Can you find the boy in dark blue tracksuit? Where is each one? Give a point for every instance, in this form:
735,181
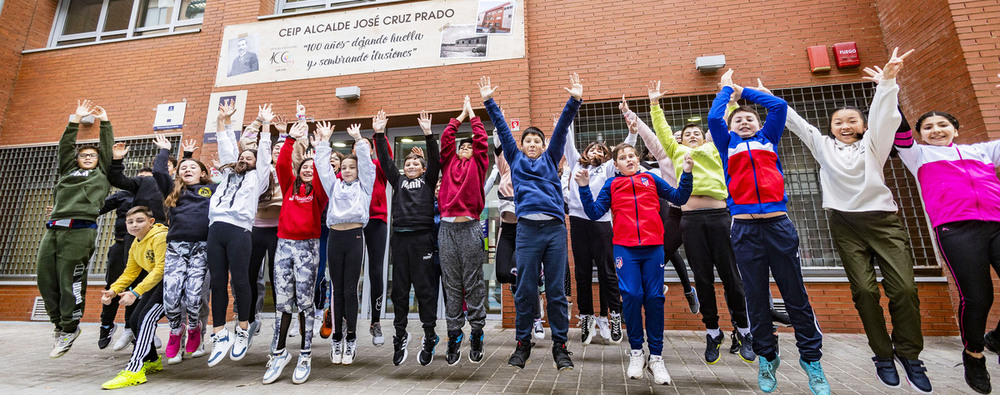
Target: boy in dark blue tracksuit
763,237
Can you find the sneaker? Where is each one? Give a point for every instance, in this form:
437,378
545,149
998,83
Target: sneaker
915,374
302,369
107,332
587,326
154,366
743,346
63,343
636,363
976,375
200,352
221,343
376,330
780,318
241,343
176,359
124,340
399,352
817,379
275,365
350,352
659,370
693,303
992,341
603,328
538,330
885,372
293,329
454,348
712,354
124,379
615,322
337,352
252,330
427,350
173,344
476,346
560,357
157,342
327,328
193,340
521,354
766,379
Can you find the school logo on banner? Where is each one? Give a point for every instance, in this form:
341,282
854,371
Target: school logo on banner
618,262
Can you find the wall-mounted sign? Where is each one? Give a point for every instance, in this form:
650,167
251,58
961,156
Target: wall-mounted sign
515,124
393,37
239,99
169,116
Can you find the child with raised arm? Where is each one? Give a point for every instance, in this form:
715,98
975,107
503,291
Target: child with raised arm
633,198
412,241
69,237
541,231
347,213
246,175
461,201
764,239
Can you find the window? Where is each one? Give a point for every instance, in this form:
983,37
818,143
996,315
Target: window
291,6
88,21
603,122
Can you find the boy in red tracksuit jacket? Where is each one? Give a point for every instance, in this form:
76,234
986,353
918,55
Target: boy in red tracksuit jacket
633,198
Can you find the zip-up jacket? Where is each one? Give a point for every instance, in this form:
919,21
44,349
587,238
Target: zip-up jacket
79,194
709,180
235,201
349,201
147,253
412,199
754,176
634,202
145,191
462,179
598,175
188,218
301,212
958,182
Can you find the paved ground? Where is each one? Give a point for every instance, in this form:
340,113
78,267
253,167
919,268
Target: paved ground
26,368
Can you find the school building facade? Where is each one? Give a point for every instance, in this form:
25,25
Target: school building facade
132,55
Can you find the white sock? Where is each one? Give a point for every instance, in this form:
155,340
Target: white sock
714,333
744,331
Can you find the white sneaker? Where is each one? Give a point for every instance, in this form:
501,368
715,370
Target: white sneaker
588,325
636,362
63,343
241,344
293,329
603,328
302,369
337,352
156,342
200,352
659,370
275,365
176,359
350,348
538,330
221,343
124,340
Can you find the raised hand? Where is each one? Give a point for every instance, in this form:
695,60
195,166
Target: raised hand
264,113
727,79
100,114
189,145
467,107
575,87
300,110
688,163
465,110
623,106
317,139
633,124
355,132
582,177
417,151
424,120
653,89
486,89
325,130
226,110
895,64
119,150
161,142
82,109
280,123
379,121
760,87
309,154
874,75
299,130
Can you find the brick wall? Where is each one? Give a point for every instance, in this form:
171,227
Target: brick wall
17,17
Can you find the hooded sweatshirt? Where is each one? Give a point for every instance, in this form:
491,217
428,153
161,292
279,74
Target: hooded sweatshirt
235,200
349,201
301,212
147,254
413,199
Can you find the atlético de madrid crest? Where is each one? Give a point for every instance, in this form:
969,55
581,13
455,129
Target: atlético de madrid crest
618,262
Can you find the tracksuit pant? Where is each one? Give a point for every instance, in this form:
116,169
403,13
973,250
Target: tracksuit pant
541,246
671,217
61,271
640,278
413,264
265,244
345,255
184,272
592,247
228,251
149,309
295,270
375,238
706,241
117,257
859,237
771,246
462,258
969,249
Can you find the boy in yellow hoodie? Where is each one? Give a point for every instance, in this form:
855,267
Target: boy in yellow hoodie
147,253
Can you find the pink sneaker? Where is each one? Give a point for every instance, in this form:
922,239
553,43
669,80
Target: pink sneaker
193,340
173,345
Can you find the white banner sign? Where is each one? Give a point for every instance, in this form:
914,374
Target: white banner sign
392,37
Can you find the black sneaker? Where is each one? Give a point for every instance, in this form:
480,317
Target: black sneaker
107,332
781,318
712,348
992,341
426,354
521,354
916,374
399,352
976,375
692,299
476,346
744,346
734,347
615,322
454,348
885,371
560,357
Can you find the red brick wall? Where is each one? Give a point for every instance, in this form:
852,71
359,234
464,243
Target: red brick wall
17,16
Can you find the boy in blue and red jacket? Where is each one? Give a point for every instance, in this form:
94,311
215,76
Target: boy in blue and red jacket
633,197
763,237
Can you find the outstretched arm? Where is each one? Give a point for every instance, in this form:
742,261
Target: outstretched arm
678,195
594,209
555,148
228,151
884,118
716,118
116,172
321,140
507,142
777,113
382,149
107,138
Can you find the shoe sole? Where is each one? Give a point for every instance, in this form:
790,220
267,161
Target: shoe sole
716,360
473,360
887,384
302,380
561,369
456,359
587,340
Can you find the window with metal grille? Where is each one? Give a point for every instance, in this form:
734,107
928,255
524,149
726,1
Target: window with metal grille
602,121
28,176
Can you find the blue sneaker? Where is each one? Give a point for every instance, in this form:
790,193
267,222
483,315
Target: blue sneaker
817,379
885,371
765,374
916,374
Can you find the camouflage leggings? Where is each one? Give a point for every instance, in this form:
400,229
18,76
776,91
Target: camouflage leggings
295,265
184,273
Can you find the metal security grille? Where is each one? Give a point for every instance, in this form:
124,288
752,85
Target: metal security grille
29,175
602,121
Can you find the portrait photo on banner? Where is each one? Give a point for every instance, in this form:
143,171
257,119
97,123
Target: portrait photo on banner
243,54
462,41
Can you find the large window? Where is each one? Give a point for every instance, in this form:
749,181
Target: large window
603,122
88,21
291,6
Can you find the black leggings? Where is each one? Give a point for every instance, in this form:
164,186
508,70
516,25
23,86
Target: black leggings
706,241
265,243
345,254
375,234
506,260
671,217
592,247
969,249
228,254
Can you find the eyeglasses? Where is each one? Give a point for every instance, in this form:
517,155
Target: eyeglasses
87,155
